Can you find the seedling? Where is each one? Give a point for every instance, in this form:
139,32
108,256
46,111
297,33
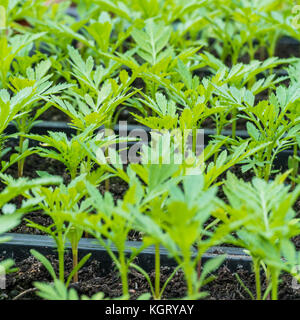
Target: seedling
97,95
9,50
178,233
106,222
58,203
38,80
71,151
11,215
268,225
13,107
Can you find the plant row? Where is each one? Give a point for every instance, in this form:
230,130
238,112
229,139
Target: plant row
174,67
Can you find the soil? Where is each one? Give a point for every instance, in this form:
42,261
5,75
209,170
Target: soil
53,114
287,48
93,279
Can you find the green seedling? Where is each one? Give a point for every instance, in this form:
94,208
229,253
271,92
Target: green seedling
70,152
97,96
178,232
107,223
271,122
13,107
11,216
36,78
58,203
269,223
10,48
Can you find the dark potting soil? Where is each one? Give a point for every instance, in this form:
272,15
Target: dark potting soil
287,48
54,114
93,279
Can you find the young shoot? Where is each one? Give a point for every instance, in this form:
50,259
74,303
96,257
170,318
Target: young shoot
268,225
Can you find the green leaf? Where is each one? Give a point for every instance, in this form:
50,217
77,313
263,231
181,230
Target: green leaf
46,263
77,268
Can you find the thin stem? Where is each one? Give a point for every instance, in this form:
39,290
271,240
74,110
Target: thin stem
199,266
73,173
60,249
256,266
157,271
75,263
189,281
295,165
199,263
61,265
189,270
251,50
274,279
107,185
21,162
268,281
268,165
194,141
124,276
234,123
219,127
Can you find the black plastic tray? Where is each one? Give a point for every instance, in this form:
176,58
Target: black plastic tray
18,248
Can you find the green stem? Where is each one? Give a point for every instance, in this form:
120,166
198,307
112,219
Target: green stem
295,165
107,182
157,271
21,142
61,265
194,140
219,128
188,270
268,165
234,115
199,266
20,163
61,261
274,279
235,58
256,266
73,173
75,263
251,50
123,272
107,185
268,276
189,281
271,48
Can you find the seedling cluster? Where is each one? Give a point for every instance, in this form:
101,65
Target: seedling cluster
171,67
